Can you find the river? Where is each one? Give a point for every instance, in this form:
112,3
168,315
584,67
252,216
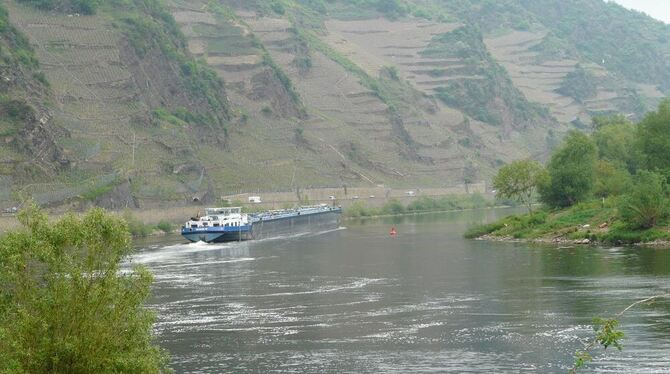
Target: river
358,300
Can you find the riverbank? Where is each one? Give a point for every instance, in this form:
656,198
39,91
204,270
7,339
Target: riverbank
155,222
588,223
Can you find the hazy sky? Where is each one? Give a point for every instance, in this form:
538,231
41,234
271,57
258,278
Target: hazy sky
659,9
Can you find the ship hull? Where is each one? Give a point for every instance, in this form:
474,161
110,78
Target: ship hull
217,234
296,224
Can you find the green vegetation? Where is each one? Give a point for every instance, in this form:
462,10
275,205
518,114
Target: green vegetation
632,206
150,28
628,43
136,227
612,179
647,204
165,226
15,49
303,61
97,192
78,6
607,334
519,181
15,110
585,222
65,306
139,229
420,205
22,88
486,83
391,9
653,139
180,117
284,80
313,41
571,172
615,139
579,84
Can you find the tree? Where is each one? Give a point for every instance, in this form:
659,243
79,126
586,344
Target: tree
571,172
469,175
615,138
64,305
653,137
519,181
611,179
647,203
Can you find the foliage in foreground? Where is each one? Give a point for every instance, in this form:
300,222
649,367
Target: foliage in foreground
607,334
65,307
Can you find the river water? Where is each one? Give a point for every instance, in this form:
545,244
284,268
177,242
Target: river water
358,300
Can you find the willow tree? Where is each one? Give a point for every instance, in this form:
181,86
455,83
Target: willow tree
571,172
654,140
519,181
65,304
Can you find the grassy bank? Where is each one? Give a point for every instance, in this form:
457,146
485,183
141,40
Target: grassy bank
584,223
420,205
147,222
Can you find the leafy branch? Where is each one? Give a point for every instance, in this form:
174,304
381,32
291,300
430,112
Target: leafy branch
606,334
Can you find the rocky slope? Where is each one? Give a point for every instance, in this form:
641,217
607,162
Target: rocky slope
177,99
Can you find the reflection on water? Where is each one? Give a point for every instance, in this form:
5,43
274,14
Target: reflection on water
358,300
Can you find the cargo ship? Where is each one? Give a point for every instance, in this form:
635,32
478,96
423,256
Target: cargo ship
230,224
301,220
218,225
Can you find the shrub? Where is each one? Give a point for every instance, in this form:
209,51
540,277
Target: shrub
611,179
136,227
277,7
165,226
65,306
393,207
571,172
479,231
519,181
653,138
647,203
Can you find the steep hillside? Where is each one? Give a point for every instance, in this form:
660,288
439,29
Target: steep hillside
374,117
133,101
614,60
29,150
140,101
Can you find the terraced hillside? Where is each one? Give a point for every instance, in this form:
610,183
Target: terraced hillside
108,99
573,90
28,134
370,127
153,100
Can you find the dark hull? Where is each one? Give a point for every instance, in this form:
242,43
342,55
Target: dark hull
217,234
294,225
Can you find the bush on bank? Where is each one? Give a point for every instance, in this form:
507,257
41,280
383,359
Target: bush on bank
65,305
610,186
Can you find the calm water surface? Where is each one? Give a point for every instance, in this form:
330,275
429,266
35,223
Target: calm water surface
357,300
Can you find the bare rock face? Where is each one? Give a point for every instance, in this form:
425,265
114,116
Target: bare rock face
266,86
161,82
120,197
37,138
